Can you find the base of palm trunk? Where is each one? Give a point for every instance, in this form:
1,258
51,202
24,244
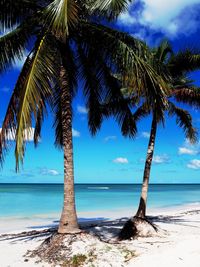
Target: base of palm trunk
137,227
66,230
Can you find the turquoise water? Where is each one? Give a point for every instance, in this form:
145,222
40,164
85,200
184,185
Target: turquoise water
34,199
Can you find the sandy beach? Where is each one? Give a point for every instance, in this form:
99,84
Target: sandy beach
177,243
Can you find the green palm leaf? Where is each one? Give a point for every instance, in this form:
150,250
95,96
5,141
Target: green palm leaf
141,112
103,93
109,8
59,15
189,96
163,51
13,44
13,12
129,56
92,91
117,105
41,112
32,88
36,83
184,120
184,61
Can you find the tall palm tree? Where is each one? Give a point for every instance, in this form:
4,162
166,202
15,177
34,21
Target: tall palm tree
67,43
175,67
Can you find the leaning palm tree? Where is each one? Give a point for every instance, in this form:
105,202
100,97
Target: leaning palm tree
67,43
181,90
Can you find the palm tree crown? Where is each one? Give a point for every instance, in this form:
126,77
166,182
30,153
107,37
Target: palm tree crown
63,33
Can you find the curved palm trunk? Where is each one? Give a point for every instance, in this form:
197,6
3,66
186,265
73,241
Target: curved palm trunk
68,221
141,212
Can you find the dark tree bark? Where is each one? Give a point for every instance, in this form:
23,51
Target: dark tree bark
141,212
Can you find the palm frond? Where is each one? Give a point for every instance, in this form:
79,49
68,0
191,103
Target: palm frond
13,12
13,45
10,121
103,93
129,56
141,112
59,15
41,111
189,96
108,8
180,82
33,86
184,120
184,61
58,119
116,104
92,90
163,51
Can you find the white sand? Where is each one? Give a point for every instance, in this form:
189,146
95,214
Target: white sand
178,245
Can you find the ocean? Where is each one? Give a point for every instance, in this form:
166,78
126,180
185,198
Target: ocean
26,200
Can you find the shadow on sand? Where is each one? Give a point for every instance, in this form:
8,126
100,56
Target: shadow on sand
103,227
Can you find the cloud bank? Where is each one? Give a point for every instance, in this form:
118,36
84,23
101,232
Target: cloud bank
172,17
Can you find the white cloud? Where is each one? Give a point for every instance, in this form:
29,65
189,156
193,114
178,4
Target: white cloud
160,159
127,18
28,134
110,137
170,17
82,109
49,172
145,134
189,149
194,164
186,151
121,160
75,133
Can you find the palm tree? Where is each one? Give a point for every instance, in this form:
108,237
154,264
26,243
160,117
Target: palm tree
175,67
67,43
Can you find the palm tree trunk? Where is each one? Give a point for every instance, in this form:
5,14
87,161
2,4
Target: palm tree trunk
141,212
68,221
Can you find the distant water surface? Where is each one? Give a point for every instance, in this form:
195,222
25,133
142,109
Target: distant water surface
34,199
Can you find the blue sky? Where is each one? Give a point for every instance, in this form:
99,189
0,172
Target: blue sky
108,157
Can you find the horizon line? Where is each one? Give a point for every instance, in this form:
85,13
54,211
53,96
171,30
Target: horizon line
105,183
